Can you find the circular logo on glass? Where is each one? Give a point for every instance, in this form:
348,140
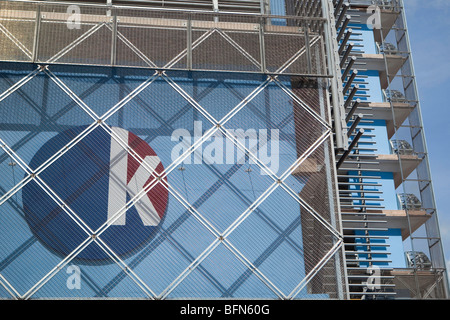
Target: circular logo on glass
96,178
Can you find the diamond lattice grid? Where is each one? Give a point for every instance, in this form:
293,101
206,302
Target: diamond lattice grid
213,206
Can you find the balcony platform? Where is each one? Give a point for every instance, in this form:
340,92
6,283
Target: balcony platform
389,163
429,282
377,62
383,111
391,219
388,18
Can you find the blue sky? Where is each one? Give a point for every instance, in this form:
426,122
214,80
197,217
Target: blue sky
429,34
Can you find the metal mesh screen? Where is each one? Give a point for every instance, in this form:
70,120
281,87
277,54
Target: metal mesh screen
165,154
58,33
86,42
17,33
166,185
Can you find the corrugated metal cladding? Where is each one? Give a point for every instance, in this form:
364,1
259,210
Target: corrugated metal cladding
158,182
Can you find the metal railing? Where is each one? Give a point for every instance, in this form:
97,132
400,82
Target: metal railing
384,4
165,39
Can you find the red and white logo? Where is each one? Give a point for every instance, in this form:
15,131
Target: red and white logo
127,175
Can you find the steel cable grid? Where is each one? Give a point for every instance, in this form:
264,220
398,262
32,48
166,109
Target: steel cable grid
207,116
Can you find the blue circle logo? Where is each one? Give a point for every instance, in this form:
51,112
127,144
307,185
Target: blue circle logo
96,178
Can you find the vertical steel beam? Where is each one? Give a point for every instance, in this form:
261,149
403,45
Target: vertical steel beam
114,36
340,127
308,47
189,42
216,9
262,46
332,191
37,31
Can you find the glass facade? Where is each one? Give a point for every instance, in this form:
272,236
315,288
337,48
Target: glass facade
166,169
172,150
